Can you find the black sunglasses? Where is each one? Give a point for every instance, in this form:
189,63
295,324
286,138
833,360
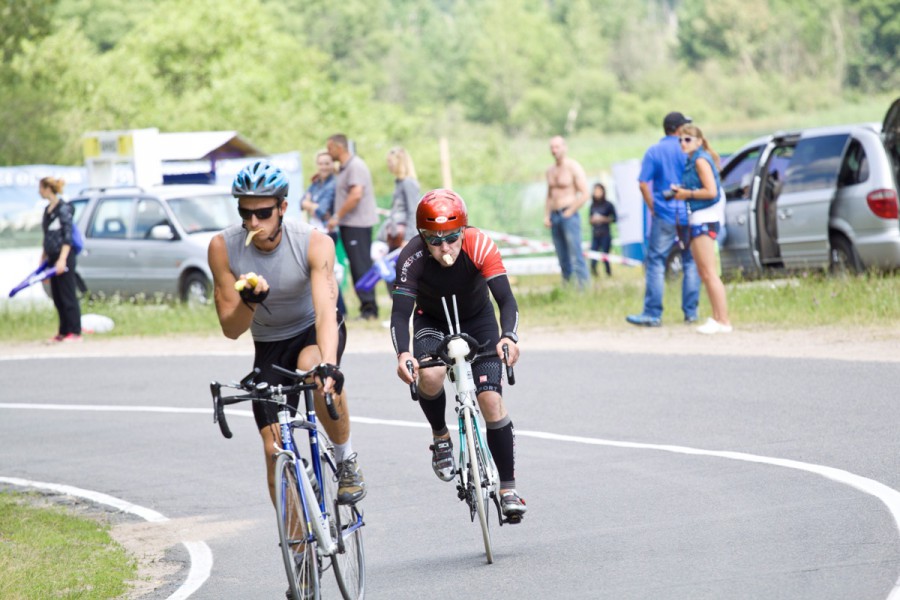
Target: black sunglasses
686,139
437,240
261,213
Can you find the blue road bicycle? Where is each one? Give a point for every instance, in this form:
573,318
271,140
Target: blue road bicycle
316,533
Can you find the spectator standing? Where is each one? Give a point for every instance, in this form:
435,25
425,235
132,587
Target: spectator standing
566,193
663,166
58,250
318,203
354,215
602,214
702,190
401,224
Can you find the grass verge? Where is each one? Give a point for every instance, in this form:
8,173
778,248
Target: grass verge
46,552
805,300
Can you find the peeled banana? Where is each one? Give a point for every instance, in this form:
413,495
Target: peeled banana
252,279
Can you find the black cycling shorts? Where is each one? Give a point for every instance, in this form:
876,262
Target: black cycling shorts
428,332
284,353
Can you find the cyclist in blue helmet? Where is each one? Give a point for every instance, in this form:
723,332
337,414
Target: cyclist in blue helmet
288,301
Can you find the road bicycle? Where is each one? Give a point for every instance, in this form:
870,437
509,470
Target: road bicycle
315,532
478,483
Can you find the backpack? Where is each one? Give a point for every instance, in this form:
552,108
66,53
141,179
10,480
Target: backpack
77,239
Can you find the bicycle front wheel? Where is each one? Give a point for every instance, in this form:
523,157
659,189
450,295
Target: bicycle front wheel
349,562
477,482
298,547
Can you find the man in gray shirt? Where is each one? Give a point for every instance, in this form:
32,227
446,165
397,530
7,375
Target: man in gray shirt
354,215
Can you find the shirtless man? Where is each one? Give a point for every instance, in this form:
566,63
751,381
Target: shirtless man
566,193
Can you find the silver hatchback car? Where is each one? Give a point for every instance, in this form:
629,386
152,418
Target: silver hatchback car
151,241
823,197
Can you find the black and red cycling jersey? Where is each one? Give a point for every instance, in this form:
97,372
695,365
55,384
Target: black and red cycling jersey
421,282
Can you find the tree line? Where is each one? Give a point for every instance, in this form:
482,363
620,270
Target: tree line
483,73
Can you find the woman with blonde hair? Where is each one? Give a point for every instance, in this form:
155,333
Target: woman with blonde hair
701,189
58,226
401,224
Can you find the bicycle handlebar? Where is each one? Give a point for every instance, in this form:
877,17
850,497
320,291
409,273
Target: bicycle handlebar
263,392
443,359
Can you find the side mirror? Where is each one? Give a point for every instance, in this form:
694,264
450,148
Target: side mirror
162,232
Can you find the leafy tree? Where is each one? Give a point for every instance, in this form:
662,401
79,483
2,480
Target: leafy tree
875,61
23,20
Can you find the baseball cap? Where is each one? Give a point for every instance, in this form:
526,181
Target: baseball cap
674,120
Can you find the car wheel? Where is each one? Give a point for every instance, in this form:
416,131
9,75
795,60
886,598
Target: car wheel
195,289
844,258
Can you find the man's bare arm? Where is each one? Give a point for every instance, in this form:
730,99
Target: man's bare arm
324,294
353,197
647,194
234,316
581,189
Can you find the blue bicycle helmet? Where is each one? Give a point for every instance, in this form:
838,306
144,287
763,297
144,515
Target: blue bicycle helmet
260,179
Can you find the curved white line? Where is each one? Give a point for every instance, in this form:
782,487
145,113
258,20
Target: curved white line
888,496
200,553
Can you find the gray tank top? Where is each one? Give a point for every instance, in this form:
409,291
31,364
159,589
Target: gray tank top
287,270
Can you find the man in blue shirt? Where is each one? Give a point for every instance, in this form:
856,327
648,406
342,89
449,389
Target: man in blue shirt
663,166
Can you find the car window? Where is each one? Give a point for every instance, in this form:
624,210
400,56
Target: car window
205,213
78,207
737,175
855,168
111,218
815,164
148,214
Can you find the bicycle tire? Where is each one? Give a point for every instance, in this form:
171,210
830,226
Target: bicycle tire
477,483
293,532
350,565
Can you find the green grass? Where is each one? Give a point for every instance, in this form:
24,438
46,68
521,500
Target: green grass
805,300
48,553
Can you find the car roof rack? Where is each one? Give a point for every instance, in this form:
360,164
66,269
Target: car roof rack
106,188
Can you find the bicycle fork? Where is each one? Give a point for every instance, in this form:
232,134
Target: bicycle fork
316,517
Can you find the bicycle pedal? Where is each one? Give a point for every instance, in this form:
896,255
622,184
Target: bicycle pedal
513,519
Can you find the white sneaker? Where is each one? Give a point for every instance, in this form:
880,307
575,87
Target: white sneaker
712,326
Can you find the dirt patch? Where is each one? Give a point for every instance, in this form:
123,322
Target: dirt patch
839,343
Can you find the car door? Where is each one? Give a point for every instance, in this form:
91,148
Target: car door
737,176
804,204
155,250
104,264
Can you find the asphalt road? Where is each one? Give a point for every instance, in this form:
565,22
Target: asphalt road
650,520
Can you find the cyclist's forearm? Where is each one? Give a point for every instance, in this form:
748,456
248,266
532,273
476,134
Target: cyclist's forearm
509,308
403,307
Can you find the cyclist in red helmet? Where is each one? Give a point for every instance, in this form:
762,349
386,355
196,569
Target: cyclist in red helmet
448,258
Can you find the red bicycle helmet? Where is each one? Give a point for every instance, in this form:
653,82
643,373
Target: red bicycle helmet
441,210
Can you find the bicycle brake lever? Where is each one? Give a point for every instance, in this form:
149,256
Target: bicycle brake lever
329,404
413,389
510,376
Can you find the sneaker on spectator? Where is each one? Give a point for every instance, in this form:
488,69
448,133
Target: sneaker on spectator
351,483
442,459
644,320
511,505
71,337
56,338
712,327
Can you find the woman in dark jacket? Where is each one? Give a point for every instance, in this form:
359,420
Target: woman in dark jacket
59,252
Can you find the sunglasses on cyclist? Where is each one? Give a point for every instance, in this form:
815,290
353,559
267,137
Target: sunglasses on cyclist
686,139
261,213
437,240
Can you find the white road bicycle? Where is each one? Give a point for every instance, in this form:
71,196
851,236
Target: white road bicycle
478,483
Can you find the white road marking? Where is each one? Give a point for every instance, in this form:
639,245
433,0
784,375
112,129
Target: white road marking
200,553
888,496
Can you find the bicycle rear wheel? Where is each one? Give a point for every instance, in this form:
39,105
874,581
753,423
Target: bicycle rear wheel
478,482
298,548
350,564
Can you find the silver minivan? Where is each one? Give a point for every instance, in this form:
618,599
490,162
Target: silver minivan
824,197
151,241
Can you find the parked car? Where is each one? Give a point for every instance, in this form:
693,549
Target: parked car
151,241
824,197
